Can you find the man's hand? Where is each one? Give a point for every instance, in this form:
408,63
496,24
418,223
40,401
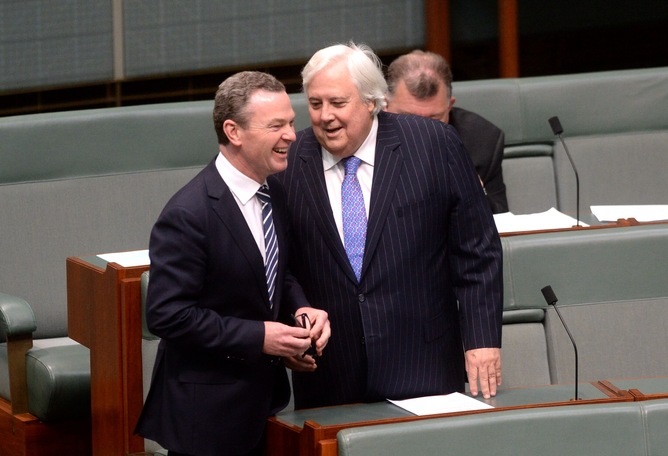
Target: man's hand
484,365
320,327
283,340
319,334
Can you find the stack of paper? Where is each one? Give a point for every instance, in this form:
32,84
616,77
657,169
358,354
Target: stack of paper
548,220
127,259
446,403
642,212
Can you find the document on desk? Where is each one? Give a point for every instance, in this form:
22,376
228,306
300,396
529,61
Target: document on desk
127,259
640,212
445,403
549,220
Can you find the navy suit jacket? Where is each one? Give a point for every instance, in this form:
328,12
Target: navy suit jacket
213,388
484,142
431,243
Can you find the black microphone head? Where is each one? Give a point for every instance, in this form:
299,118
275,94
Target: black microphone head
549,295
556,125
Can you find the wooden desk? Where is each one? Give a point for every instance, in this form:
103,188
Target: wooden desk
103,308
621,223
642,389
313,431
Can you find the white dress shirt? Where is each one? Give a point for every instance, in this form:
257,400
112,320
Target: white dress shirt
335,172
243,189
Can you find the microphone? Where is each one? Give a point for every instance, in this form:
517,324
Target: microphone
558,130
551,300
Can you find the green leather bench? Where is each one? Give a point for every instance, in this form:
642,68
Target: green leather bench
56,382
619,429
615,125
613,294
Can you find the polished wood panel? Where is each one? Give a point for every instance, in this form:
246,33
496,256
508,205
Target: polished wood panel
509,60
641,389
621,223
437,27
104,305
25,435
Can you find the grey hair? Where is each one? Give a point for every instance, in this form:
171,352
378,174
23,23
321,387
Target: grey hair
363,64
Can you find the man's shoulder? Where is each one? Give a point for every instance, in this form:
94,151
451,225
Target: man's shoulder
304,136
461,118
402,123
206,181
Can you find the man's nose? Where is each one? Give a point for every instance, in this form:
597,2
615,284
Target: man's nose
326,112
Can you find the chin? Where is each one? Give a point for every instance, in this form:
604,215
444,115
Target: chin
282,166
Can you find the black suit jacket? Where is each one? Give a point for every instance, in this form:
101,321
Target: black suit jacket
431,242
484,142
212,388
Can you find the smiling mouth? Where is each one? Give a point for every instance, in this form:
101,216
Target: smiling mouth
281,151
332,131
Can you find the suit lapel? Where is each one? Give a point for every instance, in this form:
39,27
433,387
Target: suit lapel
387,168
227,210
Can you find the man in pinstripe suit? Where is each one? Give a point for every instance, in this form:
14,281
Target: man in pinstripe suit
426,308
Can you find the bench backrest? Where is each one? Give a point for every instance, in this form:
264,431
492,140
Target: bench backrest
624,429
613,294
615,125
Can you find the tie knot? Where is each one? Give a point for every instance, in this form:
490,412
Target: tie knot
351,164
263,194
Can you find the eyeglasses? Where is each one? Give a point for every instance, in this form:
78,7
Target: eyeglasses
303,321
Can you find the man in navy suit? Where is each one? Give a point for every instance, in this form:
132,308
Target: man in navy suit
220,297
420,307
420,83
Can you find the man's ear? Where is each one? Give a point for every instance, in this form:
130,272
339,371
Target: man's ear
231,129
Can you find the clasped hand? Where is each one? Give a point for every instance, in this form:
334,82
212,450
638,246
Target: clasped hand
293,342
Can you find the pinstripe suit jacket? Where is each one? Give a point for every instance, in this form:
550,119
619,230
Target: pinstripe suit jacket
431,244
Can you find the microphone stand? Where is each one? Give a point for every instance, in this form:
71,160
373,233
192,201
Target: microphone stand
551,299
558,130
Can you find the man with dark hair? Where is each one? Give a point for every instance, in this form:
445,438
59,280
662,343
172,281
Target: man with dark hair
420,83
220,297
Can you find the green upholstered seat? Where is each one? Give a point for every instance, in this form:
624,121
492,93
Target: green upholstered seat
58,380
618,429
55,376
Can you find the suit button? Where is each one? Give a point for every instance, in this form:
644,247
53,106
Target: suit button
363,341
361,297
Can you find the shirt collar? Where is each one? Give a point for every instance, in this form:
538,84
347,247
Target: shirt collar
366,152
242,186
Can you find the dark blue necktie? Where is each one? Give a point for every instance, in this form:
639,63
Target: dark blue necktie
354,215
270,242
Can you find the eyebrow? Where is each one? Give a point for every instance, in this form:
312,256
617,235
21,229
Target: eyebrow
334,98
283,120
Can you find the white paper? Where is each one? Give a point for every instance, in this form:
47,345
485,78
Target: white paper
642,212
508,222
446,403
127,259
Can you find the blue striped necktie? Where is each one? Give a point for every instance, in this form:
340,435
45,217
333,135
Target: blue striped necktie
354,215
270,242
